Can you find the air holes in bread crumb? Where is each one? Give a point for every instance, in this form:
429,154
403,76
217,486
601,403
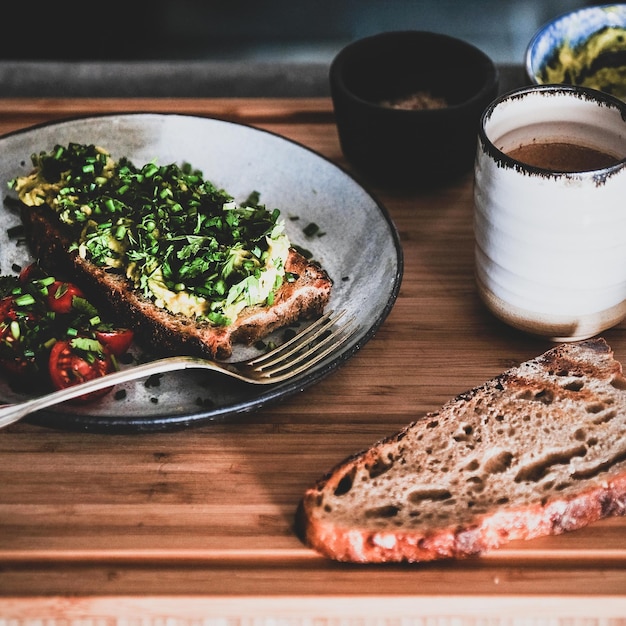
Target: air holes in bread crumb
605,417
533,472
435,494
378,467
600,467
574,385
545,395
619,382
498,462
595,407
464,433
476,483
345,484
382,512
525,394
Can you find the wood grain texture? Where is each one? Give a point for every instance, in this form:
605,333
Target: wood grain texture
88,521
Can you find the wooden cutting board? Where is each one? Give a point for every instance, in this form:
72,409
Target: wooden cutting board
197,524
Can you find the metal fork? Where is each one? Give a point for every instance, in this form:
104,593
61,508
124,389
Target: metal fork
289,359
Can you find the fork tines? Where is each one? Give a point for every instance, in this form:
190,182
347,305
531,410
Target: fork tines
307,347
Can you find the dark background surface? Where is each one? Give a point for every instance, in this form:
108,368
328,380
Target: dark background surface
257,29
231,47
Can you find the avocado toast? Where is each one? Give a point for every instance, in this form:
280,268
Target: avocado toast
171,254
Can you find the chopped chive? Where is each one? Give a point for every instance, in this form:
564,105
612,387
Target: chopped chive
311,229
150,170
15,231
25,300
170,218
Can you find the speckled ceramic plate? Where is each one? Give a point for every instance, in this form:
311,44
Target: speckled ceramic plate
359,248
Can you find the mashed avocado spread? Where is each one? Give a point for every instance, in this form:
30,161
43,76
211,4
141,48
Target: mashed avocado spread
183,242
599,63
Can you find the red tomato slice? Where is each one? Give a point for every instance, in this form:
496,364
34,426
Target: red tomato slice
117,340
60,296
8,314
7,309
14,363
68,367
16,368
30,272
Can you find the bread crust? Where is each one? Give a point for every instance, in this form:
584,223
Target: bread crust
541,485
165,332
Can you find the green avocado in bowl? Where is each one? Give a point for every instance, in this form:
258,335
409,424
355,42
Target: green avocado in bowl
585,48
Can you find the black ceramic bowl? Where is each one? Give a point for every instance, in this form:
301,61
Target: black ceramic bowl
413,146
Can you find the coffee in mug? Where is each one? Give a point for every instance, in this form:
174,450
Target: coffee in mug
562,156
549,212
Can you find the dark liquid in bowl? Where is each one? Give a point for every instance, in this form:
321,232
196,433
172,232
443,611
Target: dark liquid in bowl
562,157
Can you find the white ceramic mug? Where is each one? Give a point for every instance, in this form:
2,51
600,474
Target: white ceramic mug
551,245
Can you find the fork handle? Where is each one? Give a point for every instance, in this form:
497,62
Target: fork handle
12,413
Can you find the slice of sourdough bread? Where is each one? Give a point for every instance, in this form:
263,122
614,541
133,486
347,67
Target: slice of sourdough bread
538,450
166,332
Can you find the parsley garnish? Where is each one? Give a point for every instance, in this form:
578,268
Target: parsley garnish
163,225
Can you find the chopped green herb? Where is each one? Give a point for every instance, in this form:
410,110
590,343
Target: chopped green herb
25,300
153,381
166,227
30,327
311,229
307,254
15,231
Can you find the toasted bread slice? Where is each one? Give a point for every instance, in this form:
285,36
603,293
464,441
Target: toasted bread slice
163,331
537,451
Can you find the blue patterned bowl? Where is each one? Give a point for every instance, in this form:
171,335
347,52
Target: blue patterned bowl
585,47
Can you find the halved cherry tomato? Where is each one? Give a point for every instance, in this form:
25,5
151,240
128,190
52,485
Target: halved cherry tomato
30,272
61,295
13,361
8,314
117,340
7,309
19,368
68,367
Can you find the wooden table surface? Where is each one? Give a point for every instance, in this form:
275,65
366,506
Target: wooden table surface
197,524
